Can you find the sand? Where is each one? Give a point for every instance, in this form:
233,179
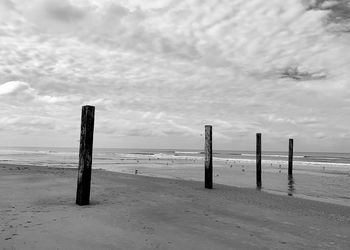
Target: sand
128,211
309,181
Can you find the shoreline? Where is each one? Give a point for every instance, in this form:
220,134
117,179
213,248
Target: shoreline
139,212
193,171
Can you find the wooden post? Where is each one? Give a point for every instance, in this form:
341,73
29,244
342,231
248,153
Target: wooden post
208,163
258,160
85,155
290,185
290,158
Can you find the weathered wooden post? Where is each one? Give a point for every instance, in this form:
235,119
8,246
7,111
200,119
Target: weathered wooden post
290,158
290,185
85,155
208,163
258,160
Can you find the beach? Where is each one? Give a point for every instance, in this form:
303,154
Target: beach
202,125
316,176
129,211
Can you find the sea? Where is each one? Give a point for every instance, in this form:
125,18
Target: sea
316,175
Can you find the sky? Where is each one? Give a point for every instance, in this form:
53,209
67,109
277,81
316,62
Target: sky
157,71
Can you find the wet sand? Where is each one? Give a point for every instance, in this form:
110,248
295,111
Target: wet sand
330,184
128,211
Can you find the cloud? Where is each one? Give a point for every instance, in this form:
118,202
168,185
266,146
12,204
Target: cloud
296,74
338,18
8,4
26,124
63,11
23,92
163,69
272,37
12,88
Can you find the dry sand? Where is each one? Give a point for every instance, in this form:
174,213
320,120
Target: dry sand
38,211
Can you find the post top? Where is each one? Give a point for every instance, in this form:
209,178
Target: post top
208,126
88,106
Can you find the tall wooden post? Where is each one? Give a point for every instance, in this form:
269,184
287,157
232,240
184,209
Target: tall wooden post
208,163
258,160
85,155
290,158
290,185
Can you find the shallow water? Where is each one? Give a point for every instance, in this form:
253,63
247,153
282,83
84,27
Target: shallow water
314,177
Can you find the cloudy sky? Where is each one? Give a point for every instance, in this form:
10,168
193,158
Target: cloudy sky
159,70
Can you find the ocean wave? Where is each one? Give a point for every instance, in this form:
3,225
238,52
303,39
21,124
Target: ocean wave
34,152
18,152
187,152
325,157
141,153
251,155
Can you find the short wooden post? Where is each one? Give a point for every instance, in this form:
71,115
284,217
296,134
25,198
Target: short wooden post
290,158
85,155
208,163
258,160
